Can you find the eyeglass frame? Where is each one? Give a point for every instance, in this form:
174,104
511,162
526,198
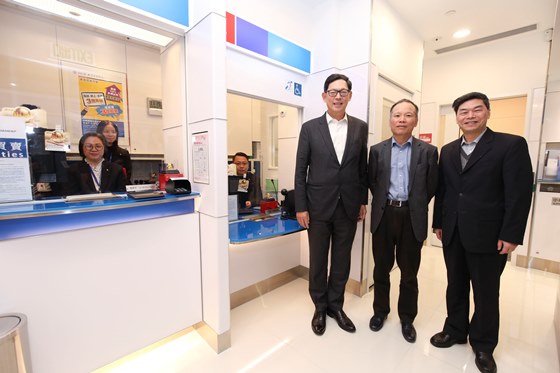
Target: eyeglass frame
92,146
341,92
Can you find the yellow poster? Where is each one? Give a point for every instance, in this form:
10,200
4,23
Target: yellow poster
101,100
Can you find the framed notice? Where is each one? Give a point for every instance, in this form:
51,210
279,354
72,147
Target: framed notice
201,161
15,176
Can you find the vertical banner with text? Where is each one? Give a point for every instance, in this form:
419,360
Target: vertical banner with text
15,176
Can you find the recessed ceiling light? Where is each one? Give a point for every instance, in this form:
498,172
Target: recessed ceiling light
96,20
13,84
461,33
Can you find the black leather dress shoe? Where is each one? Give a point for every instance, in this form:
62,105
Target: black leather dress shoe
444,340
319,322
342,320
408,332
376,322
485,362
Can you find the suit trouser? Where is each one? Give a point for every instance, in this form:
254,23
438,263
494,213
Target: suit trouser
483,271
327,290
394,235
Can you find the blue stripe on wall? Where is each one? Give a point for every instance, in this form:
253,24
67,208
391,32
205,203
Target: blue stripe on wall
252,37
286,52
173,10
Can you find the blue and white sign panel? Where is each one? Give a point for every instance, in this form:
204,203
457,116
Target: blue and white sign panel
15,177
173,10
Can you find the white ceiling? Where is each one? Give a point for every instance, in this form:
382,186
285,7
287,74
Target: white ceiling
428,18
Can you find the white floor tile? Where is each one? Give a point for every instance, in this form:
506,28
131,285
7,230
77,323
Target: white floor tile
273,333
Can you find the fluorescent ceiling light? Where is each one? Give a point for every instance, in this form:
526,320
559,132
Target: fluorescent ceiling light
461,33
96,20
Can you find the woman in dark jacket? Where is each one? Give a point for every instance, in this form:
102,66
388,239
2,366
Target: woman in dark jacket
94,174
114,153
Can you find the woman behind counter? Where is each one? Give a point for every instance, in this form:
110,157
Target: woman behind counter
93,174
113,152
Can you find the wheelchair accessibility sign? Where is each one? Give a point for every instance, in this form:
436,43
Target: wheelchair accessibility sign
294,87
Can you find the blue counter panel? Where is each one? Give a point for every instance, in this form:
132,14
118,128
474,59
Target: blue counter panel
243,231
31,219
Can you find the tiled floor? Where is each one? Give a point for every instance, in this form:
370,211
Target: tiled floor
273,333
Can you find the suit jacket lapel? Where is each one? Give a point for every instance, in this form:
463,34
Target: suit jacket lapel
86,175
324,130
483,147
104,182
386,157
415,150
456,155
350,134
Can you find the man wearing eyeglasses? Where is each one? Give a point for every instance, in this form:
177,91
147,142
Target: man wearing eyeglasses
331,197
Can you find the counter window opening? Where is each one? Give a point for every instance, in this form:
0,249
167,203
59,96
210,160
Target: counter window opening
254,128
73,96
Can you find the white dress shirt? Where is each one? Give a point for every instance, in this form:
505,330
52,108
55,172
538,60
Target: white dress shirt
338,130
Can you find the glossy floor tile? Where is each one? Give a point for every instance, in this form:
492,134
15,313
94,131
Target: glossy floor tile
272,333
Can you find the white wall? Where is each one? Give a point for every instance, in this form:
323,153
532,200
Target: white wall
396,49
502,68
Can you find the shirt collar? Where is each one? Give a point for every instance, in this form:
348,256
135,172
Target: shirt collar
393,142
330,119
475,141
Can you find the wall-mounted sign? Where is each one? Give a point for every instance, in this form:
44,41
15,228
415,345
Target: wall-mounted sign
427,137
15,177
201,159
258,40
101,100
295,88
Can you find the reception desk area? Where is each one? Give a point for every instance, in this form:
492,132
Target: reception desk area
101,279
264,253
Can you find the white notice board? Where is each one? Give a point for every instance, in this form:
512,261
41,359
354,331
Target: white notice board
15,177
201,161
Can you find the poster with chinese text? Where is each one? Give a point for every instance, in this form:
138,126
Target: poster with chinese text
101,100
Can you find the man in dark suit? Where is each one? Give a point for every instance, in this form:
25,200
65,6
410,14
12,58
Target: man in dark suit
402,174
330,198
480,214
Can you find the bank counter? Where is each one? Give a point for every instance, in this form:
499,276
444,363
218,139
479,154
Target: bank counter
264,253
100,279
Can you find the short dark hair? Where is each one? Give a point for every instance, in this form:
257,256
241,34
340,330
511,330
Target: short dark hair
101,127
334,77
404,100
240,154
83,140
470,96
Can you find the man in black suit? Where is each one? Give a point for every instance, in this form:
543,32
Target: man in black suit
330,197
480,214
402,174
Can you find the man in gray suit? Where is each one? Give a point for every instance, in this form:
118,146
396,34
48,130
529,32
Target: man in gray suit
403,177
330,198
